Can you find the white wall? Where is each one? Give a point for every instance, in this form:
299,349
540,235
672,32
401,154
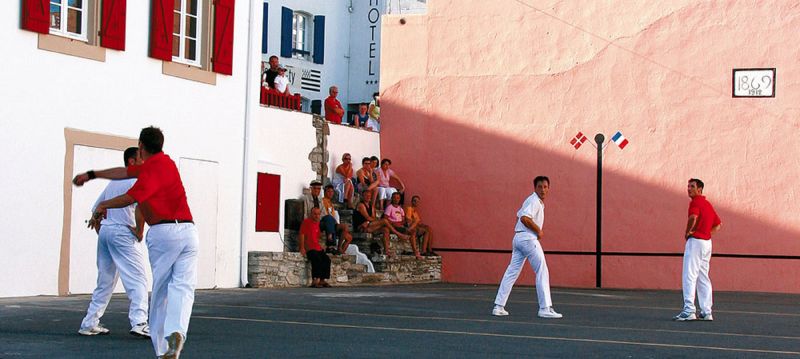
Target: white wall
358,143
44,92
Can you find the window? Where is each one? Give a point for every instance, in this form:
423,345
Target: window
301,24
69,18
186,44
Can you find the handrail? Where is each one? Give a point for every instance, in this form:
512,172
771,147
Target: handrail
271,97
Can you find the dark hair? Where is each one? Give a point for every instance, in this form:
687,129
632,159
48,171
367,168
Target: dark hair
130,152
415,196
376,94
365,160
540,179
386,160
273,56
697,182
396,194
328,186
373,158
152,139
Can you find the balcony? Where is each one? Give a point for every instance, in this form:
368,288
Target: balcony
273,98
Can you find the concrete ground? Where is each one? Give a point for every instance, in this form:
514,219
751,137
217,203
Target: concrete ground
419,321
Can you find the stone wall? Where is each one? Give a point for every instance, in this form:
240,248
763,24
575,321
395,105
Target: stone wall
290,269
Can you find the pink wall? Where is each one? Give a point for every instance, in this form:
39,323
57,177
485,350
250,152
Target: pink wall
478,100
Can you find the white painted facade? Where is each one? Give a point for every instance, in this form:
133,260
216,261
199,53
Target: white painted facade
218,135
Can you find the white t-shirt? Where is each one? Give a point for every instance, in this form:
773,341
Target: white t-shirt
120,216
281,82
533,207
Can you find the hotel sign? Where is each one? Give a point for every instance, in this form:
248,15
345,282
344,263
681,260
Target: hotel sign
754,82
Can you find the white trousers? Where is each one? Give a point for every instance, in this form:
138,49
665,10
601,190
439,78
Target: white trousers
173,258
696,261
386,192
118,255
526,246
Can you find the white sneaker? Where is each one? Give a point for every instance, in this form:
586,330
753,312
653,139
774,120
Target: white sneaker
549,313
684,317
705,316
141,330
499,311
96,330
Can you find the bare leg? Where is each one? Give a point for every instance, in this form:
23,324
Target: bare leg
413,240
348,193
394,230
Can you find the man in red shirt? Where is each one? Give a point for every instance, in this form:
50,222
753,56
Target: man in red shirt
703,222
172,240
308,241
333,108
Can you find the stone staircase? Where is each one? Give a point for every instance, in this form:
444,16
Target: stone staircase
290,269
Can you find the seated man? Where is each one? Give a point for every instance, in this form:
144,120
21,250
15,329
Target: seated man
308,240
331,226
396,217
343,180
364,176
312,199
365,221
414,222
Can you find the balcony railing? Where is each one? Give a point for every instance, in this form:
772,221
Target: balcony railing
271,97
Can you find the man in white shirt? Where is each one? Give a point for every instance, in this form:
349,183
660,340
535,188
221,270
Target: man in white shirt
530,219
119,255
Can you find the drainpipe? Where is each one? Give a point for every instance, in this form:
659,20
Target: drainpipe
246,161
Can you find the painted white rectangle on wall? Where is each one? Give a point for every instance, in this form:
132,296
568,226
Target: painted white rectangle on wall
83,241
200,179
754,82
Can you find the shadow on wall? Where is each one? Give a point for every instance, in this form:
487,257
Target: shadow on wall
472,181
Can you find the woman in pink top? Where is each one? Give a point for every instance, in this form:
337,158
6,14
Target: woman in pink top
385,190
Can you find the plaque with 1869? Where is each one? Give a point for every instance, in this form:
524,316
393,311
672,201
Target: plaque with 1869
754,82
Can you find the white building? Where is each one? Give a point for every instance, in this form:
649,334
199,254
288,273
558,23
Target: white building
81,83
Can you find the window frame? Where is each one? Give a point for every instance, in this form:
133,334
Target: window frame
303,53
199,36
62,30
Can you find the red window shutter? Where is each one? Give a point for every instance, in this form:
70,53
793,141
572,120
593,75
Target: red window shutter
36,16
223,36
112,25
161,22
268,196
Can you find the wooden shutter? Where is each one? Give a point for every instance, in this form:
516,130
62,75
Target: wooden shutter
268,195
161,22
319,39
112,24
36,16
286,32
223,36
264,23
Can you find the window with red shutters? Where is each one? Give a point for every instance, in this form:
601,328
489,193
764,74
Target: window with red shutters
223,36
161,22
36,16
268,195
112,24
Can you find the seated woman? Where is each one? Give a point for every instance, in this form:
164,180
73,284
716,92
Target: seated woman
365,221
343,180
385,190
331,225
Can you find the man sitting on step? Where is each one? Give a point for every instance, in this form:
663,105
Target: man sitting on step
365,221
414,222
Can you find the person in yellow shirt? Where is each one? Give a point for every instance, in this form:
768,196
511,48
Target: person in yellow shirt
414,222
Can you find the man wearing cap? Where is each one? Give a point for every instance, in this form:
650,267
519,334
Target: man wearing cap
313,199
172,240
281,82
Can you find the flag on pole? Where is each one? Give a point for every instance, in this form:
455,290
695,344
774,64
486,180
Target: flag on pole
578,140
620,140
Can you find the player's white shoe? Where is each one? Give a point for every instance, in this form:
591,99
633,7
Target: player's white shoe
96,330
549,313
499,311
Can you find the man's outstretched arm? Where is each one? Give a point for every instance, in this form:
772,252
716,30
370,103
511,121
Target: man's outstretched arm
110,173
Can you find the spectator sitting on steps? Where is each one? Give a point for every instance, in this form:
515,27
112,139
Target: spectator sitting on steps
414,223
308,240
312,199
343,180
385,190
396,216
364,176
331,226
365,221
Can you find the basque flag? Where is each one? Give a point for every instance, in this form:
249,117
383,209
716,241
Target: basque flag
578,140
620,140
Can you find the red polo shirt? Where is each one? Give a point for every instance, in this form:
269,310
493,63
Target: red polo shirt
332,102
159,190
310,230
706,217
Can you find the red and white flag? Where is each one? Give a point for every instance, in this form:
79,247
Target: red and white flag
578,140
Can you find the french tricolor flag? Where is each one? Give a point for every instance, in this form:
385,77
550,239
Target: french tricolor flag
620,140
